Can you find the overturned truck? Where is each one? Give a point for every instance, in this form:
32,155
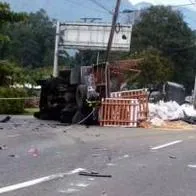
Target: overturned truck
71,97
75,95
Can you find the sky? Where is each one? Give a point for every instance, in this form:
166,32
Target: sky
167,2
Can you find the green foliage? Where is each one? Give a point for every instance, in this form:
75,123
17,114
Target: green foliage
32,43
155,68
11,106
37,74
8,16
10,74
164,29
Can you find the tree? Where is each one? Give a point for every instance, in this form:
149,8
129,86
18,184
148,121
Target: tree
7,17
155,68
164,29
10,74
32,43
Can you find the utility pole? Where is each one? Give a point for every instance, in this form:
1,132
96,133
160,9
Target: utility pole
114,20
56,50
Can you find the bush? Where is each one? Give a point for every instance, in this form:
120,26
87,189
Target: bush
9,106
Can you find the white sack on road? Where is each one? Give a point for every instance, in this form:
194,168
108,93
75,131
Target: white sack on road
164,111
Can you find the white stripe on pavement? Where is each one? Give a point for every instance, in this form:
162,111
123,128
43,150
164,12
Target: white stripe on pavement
38,181
192,166
15,135
165,145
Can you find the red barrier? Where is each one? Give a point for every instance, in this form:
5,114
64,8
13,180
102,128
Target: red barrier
119,112
141,95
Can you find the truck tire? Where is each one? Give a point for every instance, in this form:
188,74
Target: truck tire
81,95
69,97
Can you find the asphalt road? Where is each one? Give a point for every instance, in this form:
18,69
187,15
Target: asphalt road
142,162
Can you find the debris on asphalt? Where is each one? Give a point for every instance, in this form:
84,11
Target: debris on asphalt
177,125
34,152
166,111
94,174
109,158
157,122
12,155
162,113
172,157
3,147
6,119
95,155
104,193
35,129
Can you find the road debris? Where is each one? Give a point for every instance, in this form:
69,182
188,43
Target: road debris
95,155
172,157
34,152
171,111
104,193
94,174
3,147
6,119
35,129
12,155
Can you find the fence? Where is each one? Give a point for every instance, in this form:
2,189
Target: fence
139,94
119,112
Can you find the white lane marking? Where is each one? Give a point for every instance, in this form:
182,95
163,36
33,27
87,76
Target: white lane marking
15,135
69,190
91,179
111,164
75,171
123,157
192,166
83,185
165,145
38,181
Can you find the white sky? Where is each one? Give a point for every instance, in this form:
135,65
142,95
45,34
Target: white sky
165,2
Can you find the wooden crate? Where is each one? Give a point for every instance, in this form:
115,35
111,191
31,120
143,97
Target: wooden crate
141,95
119,112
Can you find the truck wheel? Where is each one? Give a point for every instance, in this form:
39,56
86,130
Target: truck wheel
81,95
69,97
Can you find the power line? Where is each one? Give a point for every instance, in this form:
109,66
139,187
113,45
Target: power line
102,6
192,2
184,5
